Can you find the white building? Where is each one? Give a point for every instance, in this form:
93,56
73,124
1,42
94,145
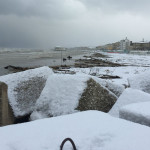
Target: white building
124,44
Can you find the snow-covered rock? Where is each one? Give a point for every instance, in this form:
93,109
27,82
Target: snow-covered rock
129,96
113,87
90,130
138,112
141,81
65,94
24,88
116,88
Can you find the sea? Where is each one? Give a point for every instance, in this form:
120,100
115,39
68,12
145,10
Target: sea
37,57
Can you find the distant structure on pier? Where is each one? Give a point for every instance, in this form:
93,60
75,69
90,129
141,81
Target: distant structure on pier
59,48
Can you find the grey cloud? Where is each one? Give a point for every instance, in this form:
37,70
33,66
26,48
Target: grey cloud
52,9
69,8
117,6
23,8
47,23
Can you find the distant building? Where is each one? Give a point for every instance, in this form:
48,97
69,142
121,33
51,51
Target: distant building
143,45
111,46
125,44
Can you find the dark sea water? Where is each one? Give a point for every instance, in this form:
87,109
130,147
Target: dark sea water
36,58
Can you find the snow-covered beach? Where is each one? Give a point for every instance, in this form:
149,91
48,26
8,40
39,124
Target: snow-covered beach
125,126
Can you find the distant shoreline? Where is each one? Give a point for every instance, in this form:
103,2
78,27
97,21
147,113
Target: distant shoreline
34,59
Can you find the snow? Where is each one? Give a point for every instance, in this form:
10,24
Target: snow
123,72
90,130
12,80
128,59
60,95
116,89
129,96
138,112
141,81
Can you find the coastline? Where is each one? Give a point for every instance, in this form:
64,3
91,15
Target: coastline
34,59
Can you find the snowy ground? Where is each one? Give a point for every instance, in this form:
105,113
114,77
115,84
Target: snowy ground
128,59
134,65
123,72
90,130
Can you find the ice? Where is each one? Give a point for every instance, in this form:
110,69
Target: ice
129,96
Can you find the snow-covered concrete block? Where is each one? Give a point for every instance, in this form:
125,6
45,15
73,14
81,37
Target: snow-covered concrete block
141,81
6,114
65,94
90,130
24,89
117,89
129,96
137,112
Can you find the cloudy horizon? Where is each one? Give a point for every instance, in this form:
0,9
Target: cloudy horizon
69,23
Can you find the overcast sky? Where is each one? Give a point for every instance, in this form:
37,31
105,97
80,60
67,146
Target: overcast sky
49,23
